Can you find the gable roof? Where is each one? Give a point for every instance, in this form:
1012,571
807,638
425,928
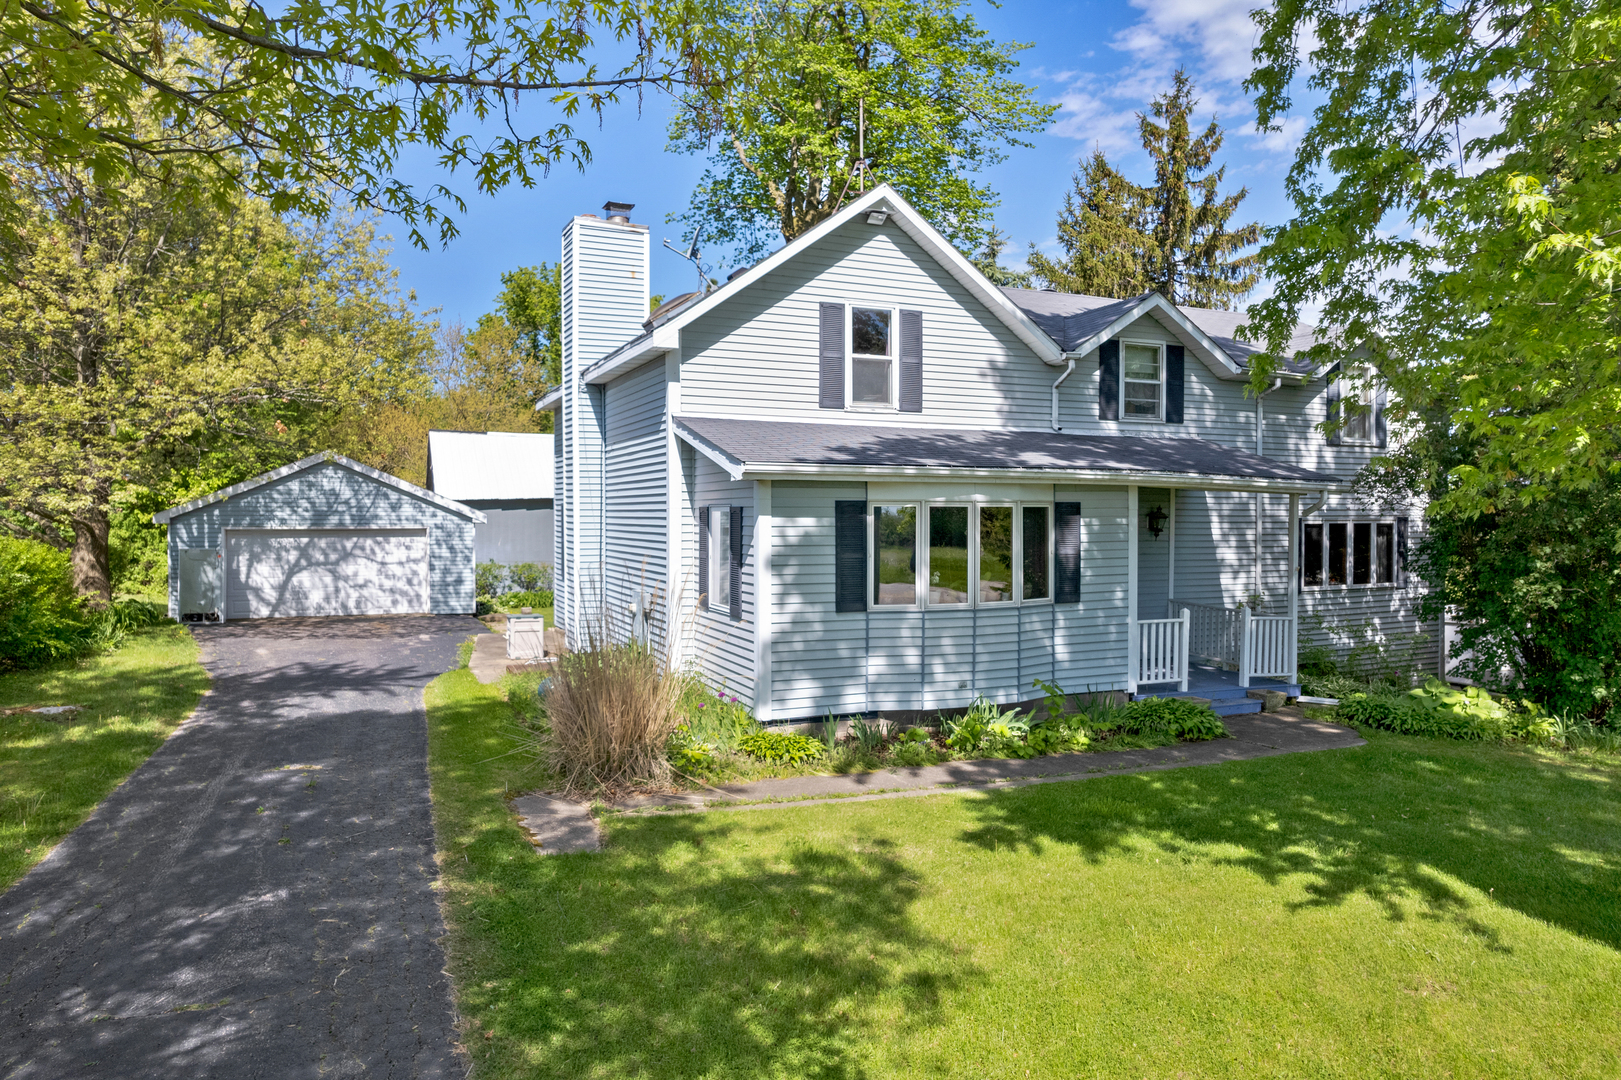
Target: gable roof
663,334
749,449
490,464
1079,323
163,517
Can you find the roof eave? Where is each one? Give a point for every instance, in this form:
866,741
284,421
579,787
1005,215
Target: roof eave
660,340
1214,355
552,402
764,470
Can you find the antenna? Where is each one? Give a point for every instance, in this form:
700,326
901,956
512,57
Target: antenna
691,255
861,143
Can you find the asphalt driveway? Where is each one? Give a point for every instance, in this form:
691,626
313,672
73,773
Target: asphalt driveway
257,900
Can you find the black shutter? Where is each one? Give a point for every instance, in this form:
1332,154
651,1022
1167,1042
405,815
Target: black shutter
911,361
1067,533
1109,380
735,547
703,558
850,555
831,353
1381,434
1333,377
1401,551
1174,355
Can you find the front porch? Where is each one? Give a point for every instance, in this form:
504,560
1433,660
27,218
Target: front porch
1221,688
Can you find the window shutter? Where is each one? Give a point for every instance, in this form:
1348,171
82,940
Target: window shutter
831,353
1174,356
1109,380
850,555
911,361
1067,533
1381,434
703,558
735,549
1401,551
1333,405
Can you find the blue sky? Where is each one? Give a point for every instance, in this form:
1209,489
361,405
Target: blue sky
1101,62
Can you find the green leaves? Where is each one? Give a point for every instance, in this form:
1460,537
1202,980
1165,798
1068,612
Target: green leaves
318,102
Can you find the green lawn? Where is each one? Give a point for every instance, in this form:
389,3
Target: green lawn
53,774
1411,908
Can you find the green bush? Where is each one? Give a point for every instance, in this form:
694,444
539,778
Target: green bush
1438,710
489,578
537,599
1176,717
530,577
42,618
781,748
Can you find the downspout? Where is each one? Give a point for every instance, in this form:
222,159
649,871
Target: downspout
1260,440
1068,371
1260,500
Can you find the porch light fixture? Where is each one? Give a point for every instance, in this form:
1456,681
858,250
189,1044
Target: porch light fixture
1156,521
877,217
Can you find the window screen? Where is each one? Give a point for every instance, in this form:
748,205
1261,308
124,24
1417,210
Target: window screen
995,554
895,555
1337,552
948,555
1311,559
1035,553
870,356
1140,369
1362,553
1384,554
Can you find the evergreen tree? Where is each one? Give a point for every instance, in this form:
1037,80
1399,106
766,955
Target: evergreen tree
989,262
1121,239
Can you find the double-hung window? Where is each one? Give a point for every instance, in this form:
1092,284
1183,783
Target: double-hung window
872,356
720,558
1142,378
950,555
1349,553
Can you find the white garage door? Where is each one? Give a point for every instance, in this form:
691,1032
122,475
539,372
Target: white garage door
273,573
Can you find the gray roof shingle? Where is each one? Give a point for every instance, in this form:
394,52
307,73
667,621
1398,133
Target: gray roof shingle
771,442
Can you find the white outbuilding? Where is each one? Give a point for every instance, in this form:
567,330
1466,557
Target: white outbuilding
508,476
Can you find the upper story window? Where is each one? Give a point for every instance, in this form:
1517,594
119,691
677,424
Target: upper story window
1356,406
872,356
1142,377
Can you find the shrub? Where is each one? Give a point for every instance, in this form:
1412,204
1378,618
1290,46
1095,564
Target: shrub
1176,717
530,577
781,748
610,712
489,578
537,599
868,734
42,618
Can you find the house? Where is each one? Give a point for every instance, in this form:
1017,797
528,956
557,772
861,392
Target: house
322,536
858,477
508,476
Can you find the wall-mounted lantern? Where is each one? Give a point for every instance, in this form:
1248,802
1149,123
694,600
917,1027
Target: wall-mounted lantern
1156,521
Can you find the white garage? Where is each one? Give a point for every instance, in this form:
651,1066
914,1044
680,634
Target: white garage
323,536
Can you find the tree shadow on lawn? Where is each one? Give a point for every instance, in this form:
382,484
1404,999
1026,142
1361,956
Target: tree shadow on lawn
701,947
1387,821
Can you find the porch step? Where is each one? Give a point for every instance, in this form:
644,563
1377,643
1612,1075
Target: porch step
1220,691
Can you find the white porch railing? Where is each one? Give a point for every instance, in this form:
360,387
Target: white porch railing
1256,646
1162,651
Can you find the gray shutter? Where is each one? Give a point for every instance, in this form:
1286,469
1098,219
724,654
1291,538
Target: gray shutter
1381,434
911,361
1333,377
850,555
1067,533
735,550
1174,362
1109,380
1401,551
703,558
831,353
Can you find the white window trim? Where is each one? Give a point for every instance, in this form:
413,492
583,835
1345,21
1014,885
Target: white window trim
921,581
1350,555
1160,345
720,559
894,359
1345,384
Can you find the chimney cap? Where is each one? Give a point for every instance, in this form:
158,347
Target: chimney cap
618,211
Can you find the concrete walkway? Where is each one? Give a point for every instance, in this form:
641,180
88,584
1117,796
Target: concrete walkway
257,899
1255,735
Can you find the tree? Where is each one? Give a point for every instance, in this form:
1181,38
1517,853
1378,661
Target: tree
138,337
531,302
305,102
931,86
989,262
1121,239
1480,274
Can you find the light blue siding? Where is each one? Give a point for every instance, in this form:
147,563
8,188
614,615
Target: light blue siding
1090,639
721,647
636,503
329,496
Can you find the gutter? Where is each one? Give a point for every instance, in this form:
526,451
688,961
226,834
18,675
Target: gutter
1068,371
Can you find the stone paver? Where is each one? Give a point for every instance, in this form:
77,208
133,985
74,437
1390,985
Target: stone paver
1255,735
257,900
557,826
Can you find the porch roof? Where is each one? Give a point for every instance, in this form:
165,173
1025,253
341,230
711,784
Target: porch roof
763,449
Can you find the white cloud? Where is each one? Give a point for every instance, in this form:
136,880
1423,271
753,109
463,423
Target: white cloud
1282,141
1221,33
1087,116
